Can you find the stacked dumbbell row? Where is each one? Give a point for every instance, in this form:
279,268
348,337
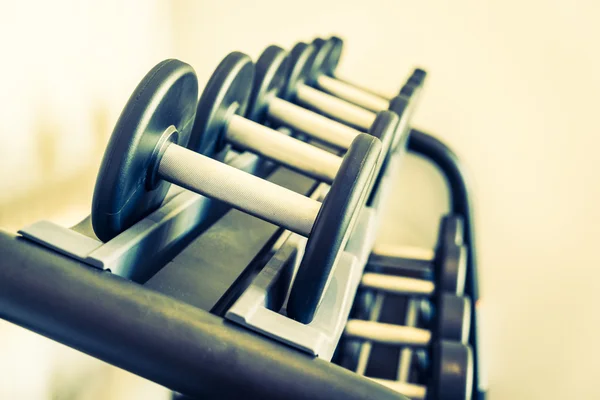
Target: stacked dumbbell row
164,136
446,363
447,368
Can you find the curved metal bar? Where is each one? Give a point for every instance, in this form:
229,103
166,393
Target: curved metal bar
441,155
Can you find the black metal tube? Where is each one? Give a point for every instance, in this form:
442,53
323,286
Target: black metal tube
159,338
440,154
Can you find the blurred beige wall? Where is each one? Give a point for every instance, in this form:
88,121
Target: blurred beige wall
513,88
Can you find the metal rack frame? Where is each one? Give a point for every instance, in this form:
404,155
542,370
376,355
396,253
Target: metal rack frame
446,160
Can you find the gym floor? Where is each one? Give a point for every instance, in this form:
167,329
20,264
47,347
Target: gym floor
512,88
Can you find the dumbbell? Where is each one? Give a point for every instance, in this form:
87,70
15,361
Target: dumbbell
448,264
416,261
451,375
325,79
451,331
333,105
278,108
220,122
146,153
452,322
274,78
449,271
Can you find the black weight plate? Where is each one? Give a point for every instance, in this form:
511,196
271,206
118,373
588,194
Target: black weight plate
452,227
226,93
322,50
332,226
452,372
450,266
165,97
453,318
450,269
418,77
333,58
271,71
300,59
400,105
383,128
408,90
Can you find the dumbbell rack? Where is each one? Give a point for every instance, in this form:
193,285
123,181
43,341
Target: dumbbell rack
170,328
403,311
446,160
159,299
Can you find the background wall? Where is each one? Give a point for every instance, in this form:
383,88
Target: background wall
512,88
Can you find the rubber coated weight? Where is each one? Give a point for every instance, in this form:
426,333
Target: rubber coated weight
124,194
267,106
449,265
341,105
452,228
226,94
418,77
450,377
270,79
452,318
321,77
335,49
450,268
333,58
408,90
332,227
400,105
220,122
160,160
317,63
299,58
451,372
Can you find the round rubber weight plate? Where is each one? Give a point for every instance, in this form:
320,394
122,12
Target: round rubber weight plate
333,226
300,59
408,90
384,129
323,48
333,58
450,269
453,318
451,230
226,93
400,105
271,71
452,372
418,77
165,97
